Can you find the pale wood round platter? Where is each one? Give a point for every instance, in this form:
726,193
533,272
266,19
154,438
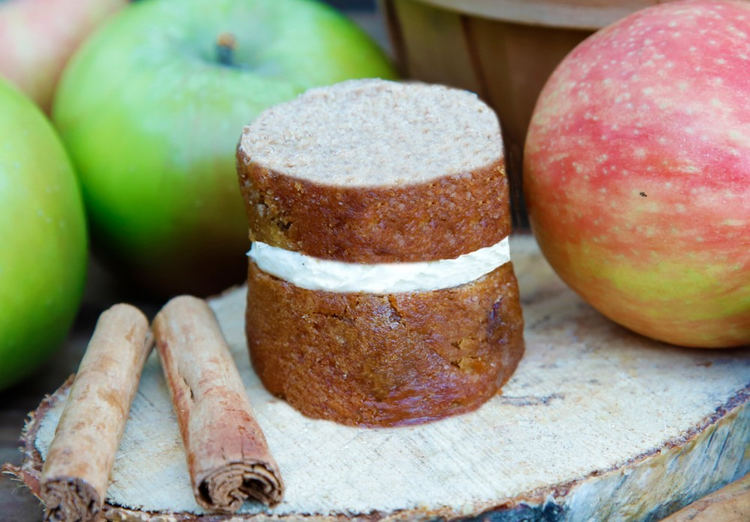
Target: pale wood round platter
596,424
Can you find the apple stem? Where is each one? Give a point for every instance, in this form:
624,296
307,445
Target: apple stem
225,46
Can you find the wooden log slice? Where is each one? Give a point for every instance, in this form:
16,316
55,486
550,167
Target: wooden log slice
596,424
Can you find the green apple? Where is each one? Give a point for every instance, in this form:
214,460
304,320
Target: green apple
43,234
152,107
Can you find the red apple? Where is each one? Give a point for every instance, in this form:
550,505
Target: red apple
637,173
37,37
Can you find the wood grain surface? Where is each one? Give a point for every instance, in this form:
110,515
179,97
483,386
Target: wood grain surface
596,424
729,504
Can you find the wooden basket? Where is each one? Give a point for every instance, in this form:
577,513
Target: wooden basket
504,50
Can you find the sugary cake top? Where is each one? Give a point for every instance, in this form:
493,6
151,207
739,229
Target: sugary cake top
375,132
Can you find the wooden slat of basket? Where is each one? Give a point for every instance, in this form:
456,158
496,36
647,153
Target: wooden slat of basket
434,41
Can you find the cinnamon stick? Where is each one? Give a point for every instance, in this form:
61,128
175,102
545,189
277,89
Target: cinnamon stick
227,453
76,472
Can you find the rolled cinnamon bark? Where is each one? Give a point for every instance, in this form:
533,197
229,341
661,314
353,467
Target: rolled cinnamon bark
76,472
227,453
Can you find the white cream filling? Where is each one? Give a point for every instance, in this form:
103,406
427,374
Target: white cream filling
380,278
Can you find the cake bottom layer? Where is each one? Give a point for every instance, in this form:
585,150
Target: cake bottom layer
384,360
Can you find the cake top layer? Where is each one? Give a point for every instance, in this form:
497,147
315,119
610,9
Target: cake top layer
374,133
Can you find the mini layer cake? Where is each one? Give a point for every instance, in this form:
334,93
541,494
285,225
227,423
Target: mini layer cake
380,288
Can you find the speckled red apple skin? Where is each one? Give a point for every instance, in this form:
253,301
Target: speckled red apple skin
637,172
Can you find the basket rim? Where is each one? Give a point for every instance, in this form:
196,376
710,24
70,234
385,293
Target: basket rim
565,14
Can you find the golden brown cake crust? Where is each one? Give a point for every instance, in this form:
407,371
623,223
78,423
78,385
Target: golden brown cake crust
440,219
384,360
